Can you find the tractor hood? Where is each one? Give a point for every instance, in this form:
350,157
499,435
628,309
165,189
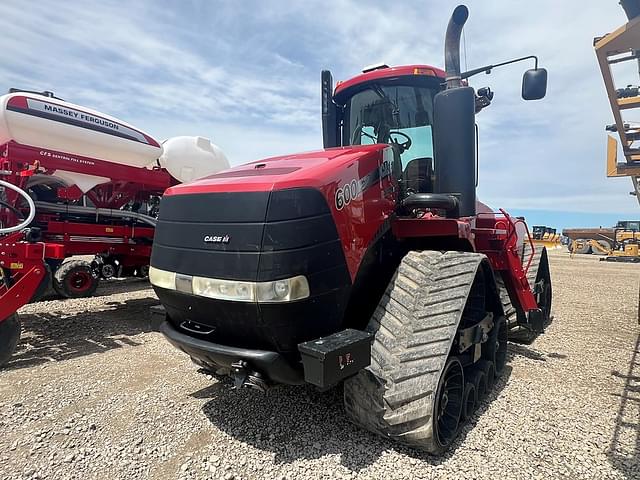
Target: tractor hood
310,170
273,220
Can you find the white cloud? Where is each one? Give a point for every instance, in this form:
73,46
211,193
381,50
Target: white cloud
247,75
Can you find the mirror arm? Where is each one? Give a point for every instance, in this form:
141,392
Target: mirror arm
488,68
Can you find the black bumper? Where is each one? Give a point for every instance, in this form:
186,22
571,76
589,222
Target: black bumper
271,364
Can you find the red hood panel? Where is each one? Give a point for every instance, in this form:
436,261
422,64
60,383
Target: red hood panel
309,169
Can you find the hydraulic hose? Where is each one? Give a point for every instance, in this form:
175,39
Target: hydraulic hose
107,212
32,209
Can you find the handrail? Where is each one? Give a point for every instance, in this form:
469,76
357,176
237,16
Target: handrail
526,227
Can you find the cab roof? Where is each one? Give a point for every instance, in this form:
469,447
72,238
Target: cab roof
389,72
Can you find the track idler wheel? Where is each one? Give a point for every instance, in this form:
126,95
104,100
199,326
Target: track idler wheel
9,337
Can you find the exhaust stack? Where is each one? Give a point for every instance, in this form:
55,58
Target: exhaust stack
452,46
454,126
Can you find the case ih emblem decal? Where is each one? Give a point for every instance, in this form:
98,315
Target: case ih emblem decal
217,239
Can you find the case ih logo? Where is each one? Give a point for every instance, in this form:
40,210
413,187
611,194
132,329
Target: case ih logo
217,238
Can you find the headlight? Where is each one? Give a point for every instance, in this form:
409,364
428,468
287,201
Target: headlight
223,289
162,278
285,290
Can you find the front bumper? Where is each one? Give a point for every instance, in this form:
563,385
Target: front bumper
273,365
324,362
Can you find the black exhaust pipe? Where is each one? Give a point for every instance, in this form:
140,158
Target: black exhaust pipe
454,126
452,46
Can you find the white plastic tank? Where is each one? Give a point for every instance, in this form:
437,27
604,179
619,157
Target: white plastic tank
45,122
190,158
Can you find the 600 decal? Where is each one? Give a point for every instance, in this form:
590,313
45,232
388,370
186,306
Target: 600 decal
350,191
346,193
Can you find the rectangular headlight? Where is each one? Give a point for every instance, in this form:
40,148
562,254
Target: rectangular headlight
224,289
285,290
162,278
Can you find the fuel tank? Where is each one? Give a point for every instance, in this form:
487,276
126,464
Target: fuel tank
311,215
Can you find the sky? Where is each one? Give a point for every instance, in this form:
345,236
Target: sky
247,76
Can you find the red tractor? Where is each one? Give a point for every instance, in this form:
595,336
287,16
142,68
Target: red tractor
369,262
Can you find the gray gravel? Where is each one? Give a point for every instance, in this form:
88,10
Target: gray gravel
92,393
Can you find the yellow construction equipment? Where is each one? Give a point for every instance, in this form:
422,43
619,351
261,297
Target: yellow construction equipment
623,251
625,231
544,236
622,45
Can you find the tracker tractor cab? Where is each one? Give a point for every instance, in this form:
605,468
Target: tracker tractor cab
368,262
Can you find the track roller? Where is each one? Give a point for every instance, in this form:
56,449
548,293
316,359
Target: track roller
469,400
479,379
489,370
497,345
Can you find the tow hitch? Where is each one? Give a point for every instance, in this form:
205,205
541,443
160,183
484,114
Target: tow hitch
243,376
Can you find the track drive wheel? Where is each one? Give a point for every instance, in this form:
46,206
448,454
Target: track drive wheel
413,390
9,337
75,279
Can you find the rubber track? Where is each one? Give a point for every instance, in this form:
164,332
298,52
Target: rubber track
518,333
532,273
509,310
414,326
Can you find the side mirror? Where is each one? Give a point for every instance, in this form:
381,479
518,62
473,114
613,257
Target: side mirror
534,84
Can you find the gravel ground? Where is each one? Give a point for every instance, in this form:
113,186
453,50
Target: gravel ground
93,393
